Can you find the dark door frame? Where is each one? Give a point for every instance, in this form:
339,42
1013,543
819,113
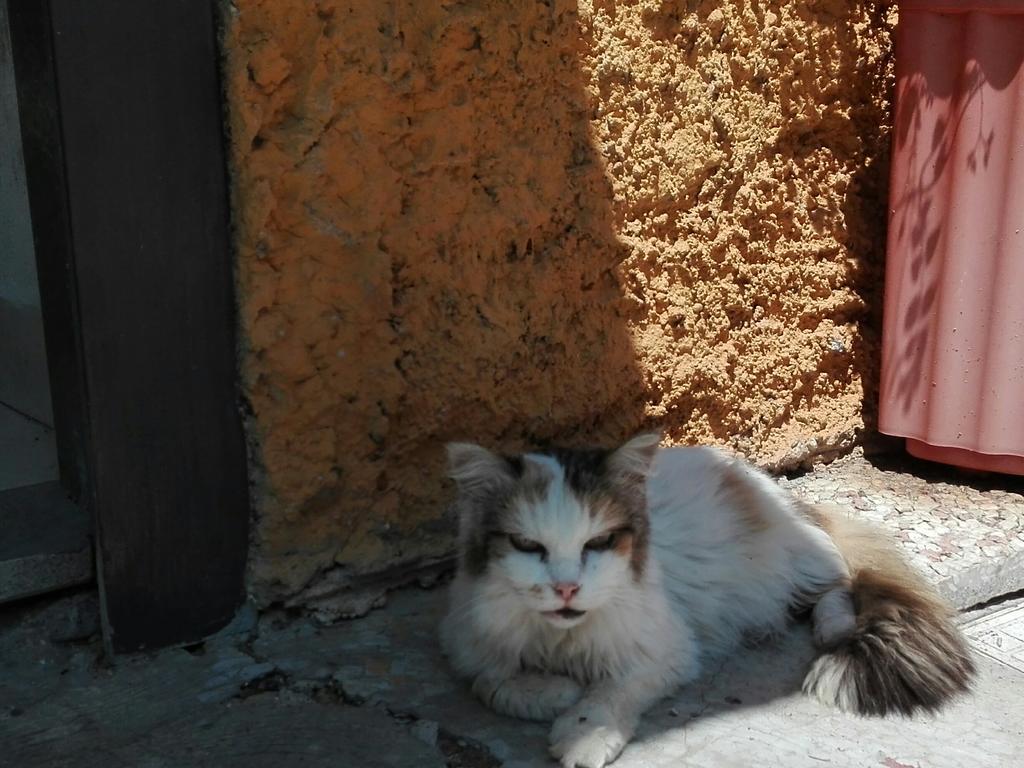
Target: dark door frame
121,115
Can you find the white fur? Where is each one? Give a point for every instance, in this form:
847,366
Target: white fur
825,682
726,581
709,581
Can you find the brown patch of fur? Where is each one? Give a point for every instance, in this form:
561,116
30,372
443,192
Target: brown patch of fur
881,595
619,498
906,653
585,470
639,544
746,501
489,515
812,514
621,510
624,544
866,549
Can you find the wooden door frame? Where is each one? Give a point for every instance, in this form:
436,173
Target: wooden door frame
121,115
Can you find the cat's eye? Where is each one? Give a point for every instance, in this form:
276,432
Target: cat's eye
601,543
526,545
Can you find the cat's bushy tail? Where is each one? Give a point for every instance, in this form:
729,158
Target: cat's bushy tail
905,652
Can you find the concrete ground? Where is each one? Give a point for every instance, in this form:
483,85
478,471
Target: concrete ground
375,692
28,450
281,690
964,530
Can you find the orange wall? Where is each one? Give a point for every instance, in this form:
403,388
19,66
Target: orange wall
536,220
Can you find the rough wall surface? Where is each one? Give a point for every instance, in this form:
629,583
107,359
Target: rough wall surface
540,220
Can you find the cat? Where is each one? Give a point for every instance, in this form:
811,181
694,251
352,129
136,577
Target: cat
591,583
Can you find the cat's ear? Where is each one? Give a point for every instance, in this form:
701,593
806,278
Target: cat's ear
476,470
635,458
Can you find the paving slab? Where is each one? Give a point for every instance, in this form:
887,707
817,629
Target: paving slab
965,531
45,541
59,706
999,634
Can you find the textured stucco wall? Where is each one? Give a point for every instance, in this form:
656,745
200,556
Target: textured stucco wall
540,220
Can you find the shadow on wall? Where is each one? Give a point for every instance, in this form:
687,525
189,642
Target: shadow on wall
865,215
862,159
428,247
427,253
943,143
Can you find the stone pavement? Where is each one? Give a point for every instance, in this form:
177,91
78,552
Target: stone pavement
375,692
280,690
964,530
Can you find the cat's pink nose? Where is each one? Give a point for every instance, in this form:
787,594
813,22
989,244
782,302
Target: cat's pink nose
566,589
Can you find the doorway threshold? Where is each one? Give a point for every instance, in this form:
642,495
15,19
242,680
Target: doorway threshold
45,544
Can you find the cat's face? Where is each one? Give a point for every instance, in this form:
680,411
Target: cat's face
564,532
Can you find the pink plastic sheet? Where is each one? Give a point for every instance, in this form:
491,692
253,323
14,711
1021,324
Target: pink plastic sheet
953,337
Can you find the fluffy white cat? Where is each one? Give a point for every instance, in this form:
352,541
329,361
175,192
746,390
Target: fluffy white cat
592,583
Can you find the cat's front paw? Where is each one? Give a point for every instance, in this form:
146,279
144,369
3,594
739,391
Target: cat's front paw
534,696
557,694
587,737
